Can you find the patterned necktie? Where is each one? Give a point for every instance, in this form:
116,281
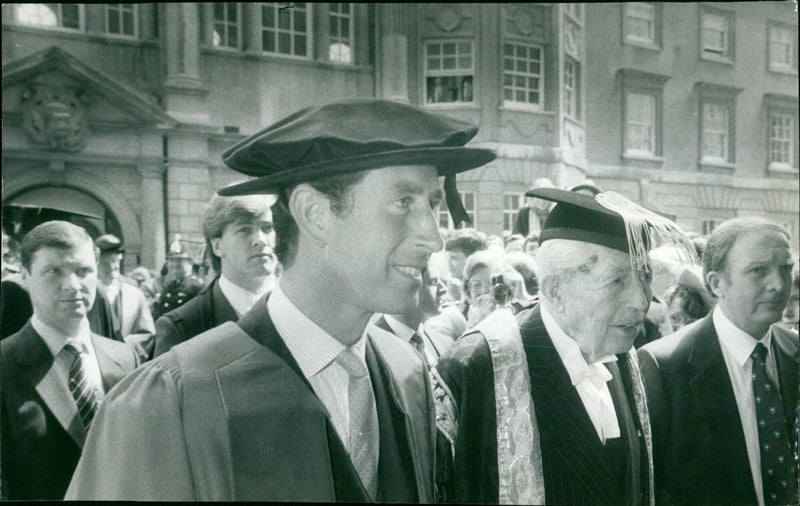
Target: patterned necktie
777,472
83,393
363,421
419,345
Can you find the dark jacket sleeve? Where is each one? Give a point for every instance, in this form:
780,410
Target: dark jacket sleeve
167,335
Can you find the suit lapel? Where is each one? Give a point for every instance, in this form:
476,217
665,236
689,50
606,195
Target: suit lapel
111,370
784,344
564,425
258,325
717,408
223,311
41,372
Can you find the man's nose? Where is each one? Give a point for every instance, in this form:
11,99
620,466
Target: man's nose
427,230
639,292
71,282
777,280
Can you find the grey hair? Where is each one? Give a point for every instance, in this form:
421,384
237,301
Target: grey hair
564,258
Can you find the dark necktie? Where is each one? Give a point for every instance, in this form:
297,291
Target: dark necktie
82,391
777,472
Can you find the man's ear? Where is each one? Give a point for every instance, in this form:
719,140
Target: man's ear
311,211
214,241
713,283
550,288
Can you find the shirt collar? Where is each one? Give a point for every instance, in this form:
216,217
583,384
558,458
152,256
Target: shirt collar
399,328
241,299
55,339
739,343
312,347
570,353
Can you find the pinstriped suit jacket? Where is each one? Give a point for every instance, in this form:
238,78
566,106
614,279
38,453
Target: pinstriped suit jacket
573,459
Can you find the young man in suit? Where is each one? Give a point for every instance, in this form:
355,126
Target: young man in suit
722,391
240,236
547,406
54,371
294,402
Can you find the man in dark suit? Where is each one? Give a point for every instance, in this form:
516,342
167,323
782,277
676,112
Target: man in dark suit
547,407
412,326
240,237
54,372
722,392
295,402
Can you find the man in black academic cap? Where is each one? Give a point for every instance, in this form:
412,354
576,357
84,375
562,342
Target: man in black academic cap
294,402
548,407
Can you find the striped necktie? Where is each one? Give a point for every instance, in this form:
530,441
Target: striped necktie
363,421
83,393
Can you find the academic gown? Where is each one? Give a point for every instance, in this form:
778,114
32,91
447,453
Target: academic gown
577,467
228,416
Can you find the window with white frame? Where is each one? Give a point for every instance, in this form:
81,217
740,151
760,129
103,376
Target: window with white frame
571,92
641,24
341,33
716,38
782,49
640,124
716,132
227,25
122,19
782,140
511,205
523,74
449,71
446,221
67,16
708,226
286,29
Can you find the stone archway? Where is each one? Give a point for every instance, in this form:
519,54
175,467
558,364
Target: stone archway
81,181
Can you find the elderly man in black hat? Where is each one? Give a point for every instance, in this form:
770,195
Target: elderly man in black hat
294,402
548,407
128,304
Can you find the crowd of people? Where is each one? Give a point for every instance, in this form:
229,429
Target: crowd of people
335,345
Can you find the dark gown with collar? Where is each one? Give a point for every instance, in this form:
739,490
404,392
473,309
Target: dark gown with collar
578,468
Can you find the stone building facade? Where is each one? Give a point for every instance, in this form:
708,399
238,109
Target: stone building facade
124,109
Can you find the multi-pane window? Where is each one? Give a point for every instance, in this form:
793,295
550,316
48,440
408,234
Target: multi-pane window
449,71
640,124
49,15
286,29
121,19
716,131
446,221
227,25
640,22
523,74
782,48
571,88
341,33
511,204
715,35
781,140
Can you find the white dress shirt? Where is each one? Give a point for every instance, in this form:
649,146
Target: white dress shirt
62,360
737,346
315,352
112,290
405,333
240,299
590,380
